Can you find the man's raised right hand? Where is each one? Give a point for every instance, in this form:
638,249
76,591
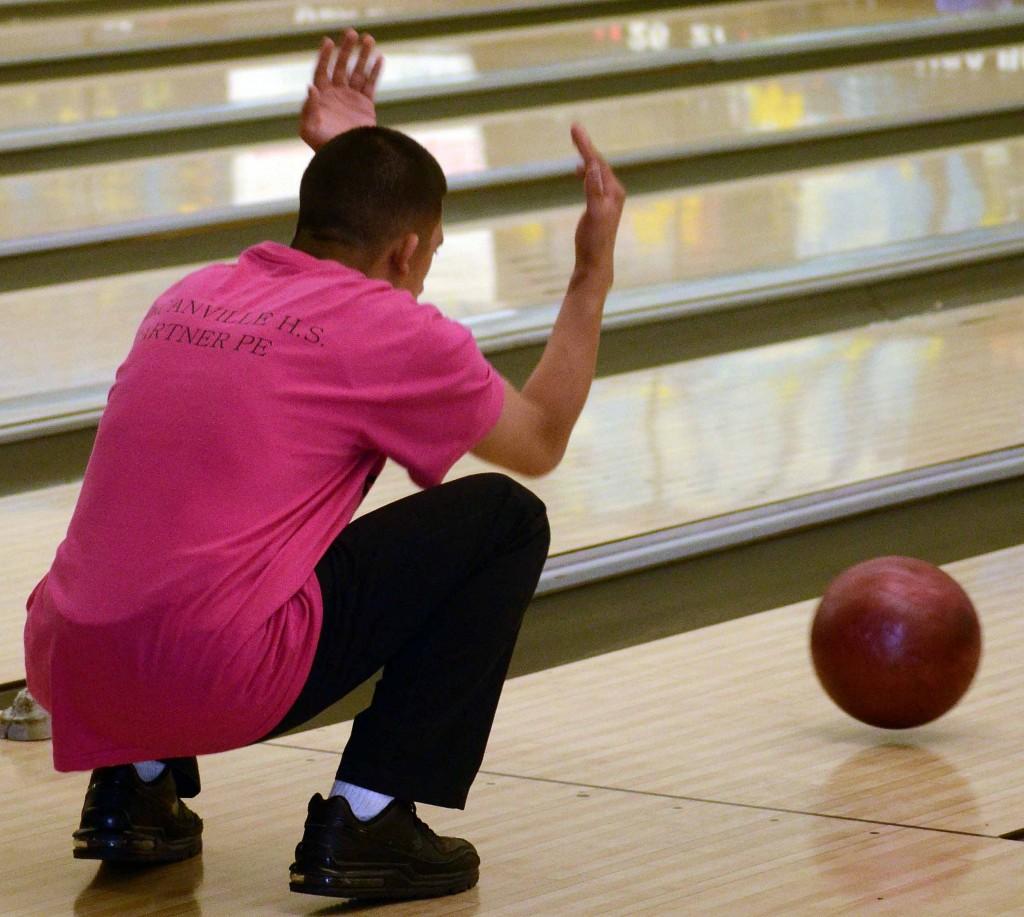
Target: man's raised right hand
595,234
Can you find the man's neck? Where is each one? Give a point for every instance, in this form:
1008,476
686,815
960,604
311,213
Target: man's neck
356,259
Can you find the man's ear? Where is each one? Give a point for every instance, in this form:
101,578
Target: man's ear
401,255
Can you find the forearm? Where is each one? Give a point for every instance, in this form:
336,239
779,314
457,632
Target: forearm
561,381
533,431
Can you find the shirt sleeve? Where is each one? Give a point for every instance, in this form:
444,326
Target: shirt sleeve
443,401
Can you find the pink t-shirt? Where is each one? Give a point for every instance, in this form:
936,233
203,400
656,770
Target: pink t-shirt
181,613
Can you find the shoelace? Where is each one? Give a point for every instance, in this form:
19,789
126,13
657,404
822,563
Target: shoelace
419,821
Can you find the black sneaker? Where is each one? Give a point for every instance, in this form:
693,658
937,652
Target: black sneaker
127,820
393,855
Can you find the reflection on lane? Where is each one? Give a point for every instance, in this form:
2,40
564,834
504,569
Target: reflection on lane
720,434
745,225
606,39
681,443
158,187
221,86
517,262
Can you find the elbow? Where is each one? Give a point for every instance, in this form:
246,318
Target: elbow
543,462
535,470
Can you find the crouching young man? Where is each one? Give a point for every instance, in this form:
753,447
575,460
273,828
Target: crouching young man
212,591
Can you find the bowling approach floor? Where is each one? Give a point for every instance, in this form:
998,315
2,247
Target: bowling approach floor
705,773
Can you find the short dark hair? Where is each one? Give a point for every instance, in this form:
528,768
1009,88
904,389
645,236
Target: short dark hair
368,186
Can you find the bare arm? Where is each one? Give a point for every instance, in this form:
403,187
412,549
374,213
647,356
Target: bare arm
533,431
535,424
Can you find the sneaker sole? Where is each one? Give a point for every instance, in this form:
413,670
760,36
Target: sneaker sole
118,847
381,883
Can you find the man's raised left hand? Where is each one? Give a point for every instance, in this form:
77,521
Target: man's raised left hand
341,98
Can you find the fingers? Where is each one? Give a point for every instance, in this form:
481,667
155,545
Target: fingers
584,144
357,79
360,76
594,166
598,177
349,40
370,89
321,74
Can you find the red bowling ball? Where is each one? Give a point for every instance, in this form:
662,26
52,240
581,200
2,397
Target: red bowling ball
895,642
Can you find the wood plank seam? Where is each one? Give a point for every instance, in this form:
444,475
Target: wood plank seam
782,810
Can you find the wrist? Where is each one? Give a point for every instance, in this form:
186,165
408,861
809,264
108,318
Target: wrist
591,278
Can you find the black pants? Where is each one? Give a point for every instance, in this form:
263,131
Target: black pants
432,588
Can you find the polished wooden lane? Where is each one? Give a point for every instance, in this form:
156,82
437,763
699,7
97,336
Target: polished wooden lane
125,196
563,844
80,365
732,713
739,226
703,27
189,24
680,443
236,86
82,106
696,440
524,261
546,849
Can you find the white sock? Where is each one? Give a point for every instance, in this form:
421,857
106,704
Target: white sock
365,803
148,771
